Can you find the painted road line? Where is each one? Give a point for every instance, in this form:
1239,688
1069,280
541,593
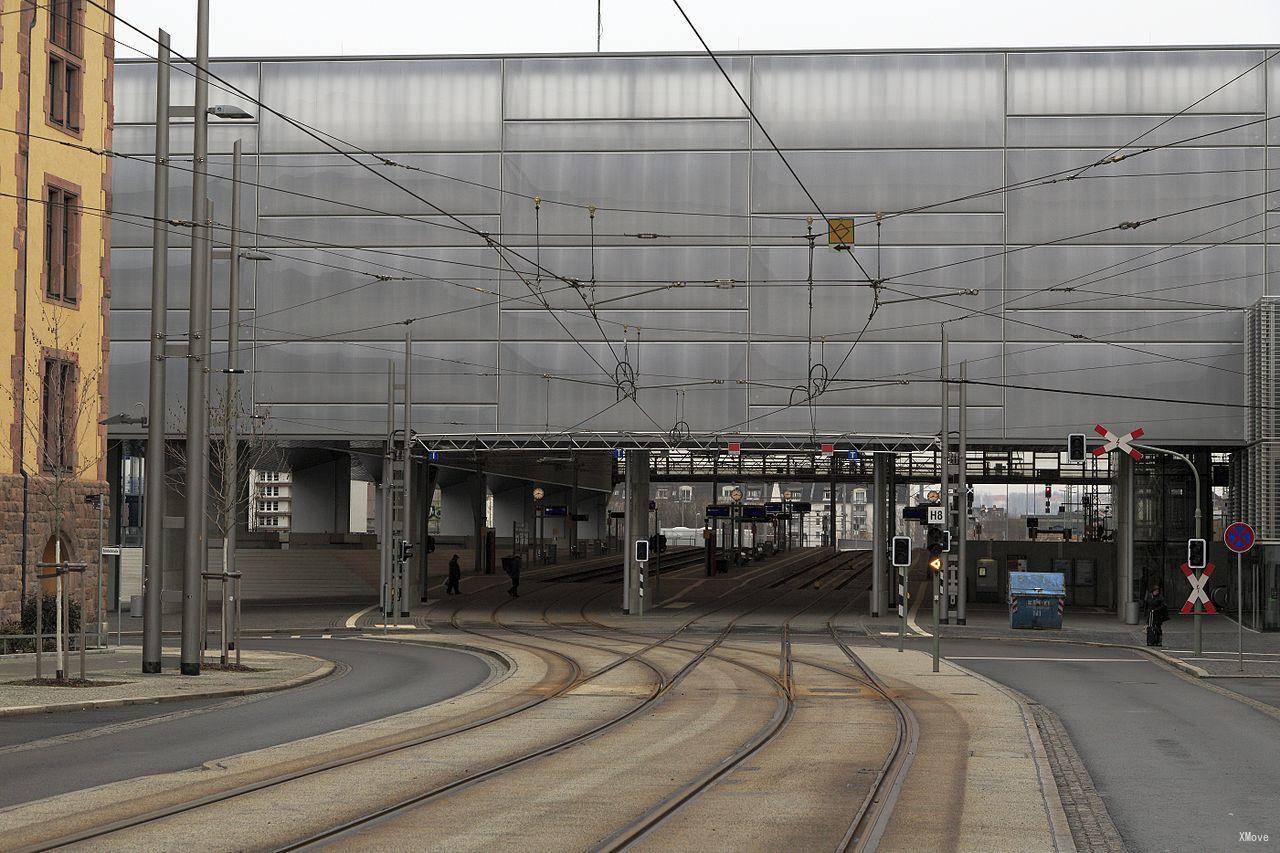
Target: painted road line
915,609
1055,660
1232,654
326,636
355,617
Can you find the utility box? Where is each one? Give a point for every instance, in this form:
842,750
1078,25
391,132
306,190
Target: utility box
987,586
1036,599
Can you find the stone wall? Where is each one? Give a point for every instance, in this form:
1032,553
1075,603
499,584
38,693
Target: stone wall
79,529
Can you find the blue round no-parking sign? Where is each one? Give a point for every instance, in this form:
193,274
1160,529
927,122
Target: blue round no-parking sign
1238,537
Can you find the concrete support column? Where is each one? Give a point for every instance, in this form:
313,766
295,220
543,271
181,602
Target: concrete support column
880,533
479,499
1126,607
509,507
637,523
455,509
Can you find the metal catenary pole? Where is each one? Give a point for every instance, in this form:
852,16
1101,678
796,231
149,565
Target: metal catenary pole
197,358
944,439
153,479
962,497
405,574
97,607
231,432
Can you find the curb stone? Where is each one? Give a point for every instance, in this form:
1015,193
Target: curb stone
326,667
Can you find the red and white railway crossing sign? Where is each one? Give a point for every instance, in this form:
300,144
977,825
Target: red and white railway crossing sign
1111,441
1198,582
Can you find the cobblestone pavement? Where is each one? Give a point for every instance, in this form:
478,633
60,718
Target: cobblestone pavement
1087,815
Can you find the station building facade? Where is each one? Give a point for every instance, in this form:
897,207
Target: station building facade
645,229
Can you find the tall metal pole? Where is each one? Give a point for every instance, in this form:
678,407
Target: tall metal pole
944,436
231,430
879,532
408,464
97,607
206,450
198,355
388,483
962,490
153,477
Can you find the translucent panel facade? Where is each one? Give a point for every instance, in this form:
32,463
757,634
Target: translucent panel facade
1080,287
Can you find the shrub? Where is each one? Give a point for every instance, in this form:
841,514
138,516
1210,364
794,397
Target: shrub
50,615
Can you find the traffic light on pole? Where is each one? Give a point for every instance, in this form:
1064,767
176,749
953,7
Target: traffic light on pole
1197,553
901,551
1075,447
936,543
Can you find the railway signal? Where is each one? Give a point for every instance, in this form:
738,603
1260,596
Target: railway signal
901,551
1076,447
1197,553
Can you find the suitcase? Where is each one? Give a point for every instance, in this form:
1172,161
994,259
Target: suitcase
1153,635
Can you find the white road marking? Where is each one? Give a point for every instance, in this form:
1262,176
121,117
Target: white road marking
355,617
1231,654
326,636
915,608
295,636
1056,660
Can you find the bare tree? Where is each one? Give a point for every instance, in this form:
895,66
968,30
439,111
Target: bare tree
65,429
241,440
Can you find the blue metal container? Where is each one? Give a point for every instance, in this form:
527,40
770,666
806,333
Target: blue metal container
1036,599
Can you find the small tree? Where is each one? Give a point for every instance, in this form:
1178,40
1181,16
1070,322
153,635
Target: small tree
65,429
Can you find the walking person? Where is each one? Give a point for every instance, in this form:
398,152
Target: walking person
513,571
1157,614
454,585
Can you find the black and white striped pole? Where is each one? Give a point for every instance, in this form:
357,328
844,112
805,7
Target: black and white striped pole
641,558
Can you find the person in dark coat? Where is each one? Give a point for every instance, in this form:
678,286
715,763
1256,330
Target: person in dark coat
1157,612
513,571
453,586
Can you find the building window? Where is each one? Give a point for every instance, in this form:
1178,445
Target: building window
66,77
62,245
58,418
64,25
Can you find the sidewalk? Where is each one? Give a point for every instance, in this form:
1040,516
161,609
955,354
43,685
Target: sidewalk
118,678
1218,637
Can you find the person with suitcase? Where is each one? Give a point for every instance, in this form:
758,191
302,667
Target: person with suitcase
1157,614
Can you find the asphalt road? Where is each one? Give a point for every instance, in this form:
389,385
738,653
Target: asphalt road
96,747
1179,766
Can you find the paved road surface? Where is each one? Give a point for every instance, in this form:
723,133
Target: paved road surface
1179,766
383,679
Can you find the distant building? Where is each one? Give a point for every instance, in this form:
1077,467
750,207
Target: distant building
270,500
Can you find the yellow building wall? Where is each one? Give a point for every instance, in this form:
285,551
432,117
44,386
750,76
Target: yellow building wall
82,329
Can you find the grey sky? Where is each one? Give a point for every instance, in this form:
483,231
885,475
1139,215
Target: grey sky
310,27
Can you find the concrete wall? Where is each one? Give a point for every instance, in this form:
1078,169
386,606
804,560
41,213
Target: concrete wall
320,497
1040,557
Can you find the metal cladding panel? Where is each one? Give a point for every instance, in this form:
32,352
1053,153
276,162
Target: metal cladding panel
1109,394
1117,131
135,89
845,181
882,100
870,420
140,139
873,375
628,135
359,231
300,293
129,372
1071,211
385,105
840,305
131,282
637,277
356,372
908,229
133,325
287,180
1133,326
624,87
1134,81
1136,277
133,188
580,388
703,325
654,142
370,421
702,182
1273,100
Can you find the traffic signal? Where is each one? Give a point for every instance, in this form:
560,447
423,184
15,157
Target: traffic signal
936,541
1076,447
1197,553
935,564
901,551
946,541
406,550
